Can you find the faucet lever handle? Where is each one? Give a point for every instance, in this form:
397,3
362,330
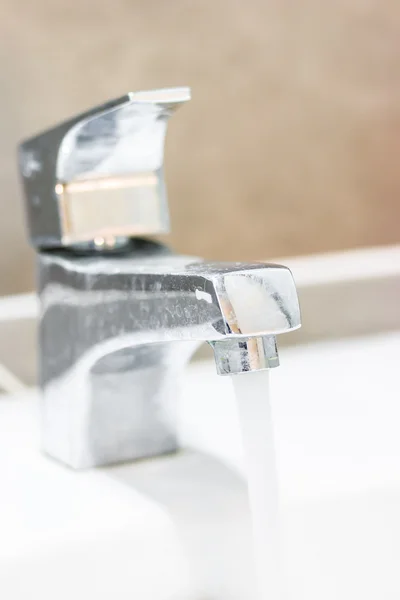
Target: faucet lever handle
100,174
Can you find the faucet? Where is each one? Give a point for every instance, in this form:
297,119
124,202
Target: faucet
121,314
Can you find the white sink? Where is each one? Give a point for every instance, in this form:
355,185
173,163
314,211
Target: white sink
178,527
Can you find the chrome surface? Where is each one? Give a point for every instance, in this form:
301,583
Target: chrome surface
100,173
112,338
116,311
242,355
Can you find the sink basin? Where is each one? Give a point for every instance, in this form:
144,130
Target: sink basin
177,527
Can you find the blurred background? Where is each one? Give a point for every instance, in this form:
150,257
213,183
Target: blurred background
289,146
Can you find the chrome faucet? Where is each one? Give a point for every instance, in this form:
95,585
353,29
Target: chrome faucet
116,308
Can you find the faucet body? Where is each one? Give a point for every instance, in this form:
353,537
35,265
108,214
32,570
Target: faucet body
117,328
120,317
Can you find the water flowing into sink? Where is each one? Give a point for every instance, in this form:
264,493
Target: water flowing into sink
254,407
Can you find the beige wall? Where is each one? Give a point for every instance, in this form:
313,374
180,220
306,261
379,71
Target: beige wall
290,145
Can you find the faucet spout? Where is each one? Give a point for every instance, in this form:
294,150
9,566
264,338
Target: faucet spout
112,333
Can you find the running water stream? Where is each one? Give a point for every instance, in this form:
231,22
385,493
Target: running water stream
252,396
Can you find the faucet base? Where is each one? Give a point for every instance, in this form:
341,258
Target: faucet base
124,409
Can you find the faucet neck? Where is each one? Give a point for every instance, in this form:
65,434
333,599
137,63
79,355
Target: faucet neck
116,246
